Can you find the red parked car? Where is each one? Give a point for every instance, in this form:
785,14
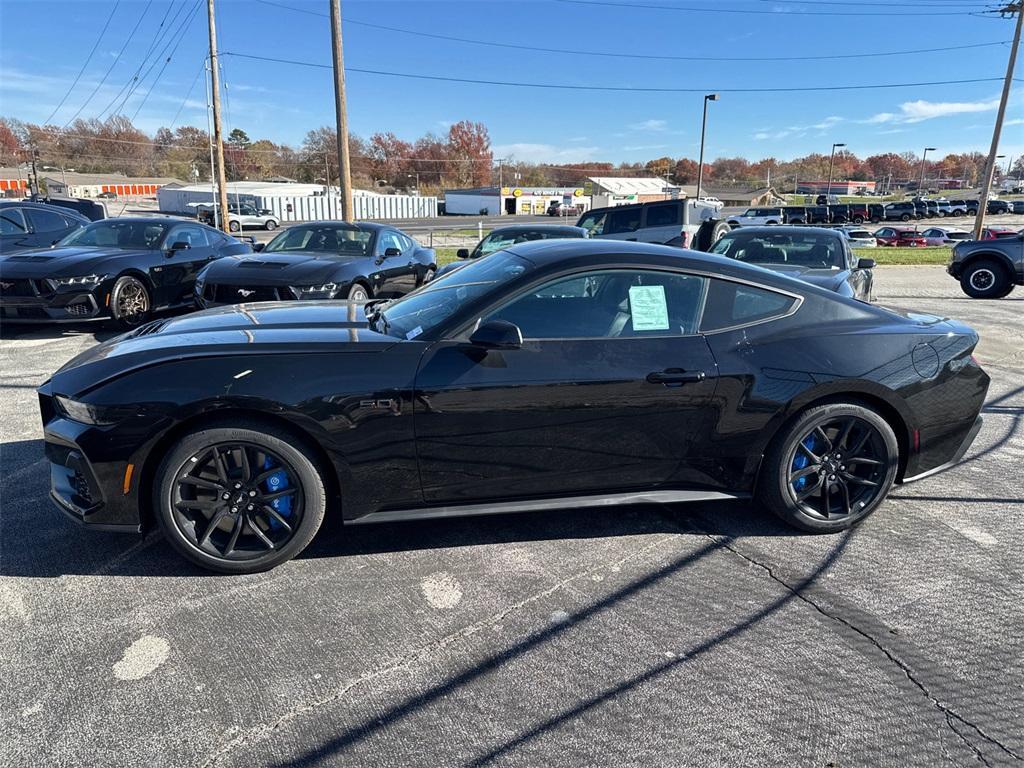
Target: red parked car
900,237
997,233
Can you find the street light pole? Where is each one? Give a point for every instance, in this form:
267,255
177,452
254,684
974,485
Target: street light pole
920,181
831,166
703,131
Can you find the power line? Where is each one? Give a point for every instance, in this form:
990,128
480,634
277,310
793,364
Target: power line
202,67
174,50
110,69
612,88
85,64
643,56
747,11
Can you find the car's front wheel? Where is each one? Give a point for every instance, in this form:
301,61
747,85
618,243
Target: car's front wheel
234,226
831,468
358,292
239,498
270,226
985,279
905,217
129,302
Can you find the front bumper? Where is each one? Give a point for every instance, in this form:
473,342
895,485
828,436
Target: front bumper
68,307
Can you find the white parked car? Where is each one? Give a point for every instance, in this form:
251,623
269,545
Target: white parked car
859,238
240,216
945,235
757,217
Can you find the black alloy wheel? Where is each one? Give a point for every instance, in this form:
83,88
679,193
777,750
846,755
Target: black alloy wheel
831,469
238,499
129,302
358,292
985,279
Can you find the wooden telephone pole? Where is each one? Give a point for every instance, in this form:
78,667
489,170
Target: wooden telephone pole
344,170
218,135
990,167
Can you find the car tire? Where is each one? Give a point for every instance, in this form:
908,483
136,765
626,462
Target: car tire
234,226
270,226
429,274
842,456
985,279
199,523
858,219
771,223
130,302
905,217
358,292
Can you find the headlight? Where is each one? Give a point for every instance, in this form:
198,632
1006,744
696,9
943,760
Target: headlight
86,280
325,291
81,412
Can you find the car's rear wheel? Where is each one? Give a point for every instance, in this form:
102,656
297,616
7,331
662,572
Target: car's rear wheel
129,302
358,292
831,468
239,498
270,226
985,279
905,217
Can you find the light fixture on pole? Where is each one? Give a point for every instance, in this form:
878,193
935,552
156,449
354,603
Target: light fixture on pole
831,165
703,130
920,181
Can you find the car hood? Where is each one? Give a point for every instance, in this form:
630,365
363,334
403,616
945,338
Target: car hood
65,262
237,331
828,279
293,268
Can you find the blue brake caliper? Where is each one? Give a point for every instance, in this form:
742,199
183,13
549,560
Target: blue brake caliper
801,460
278,482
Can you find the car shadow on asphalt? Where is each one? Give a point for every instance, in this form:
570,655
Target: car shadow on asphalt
100,331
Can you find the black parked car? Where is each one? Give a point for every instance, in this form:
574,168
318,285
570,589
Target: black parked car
1016,206
123,269
35,225
321,260
551,374
810,214
503,237
821,257
998,206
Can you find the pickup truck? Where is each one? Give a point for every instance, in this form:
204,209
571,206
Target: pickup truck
240,216
757,217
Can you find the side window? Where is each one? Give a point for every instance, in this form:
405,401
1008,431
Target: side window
609,304
625,220
194,236
388,240
730,304
594,222
12,222
665,215
46,221
405,242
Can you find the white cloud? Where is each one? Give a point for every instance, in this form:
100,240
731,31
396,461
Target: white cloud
545,153
649,125
640,147
1015,121
921,110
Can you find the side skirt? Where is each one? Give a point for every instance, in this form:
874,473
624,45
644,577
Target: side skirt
538,505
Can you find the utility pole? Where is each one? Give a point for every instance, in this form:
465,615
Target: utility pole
920,181
218,137
501,196
703,131
986,182
344,170
831,167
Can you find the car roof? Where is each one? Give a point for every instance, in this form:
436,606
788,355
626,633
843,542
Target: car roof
548,254
41,207
564,228
785,229
367,226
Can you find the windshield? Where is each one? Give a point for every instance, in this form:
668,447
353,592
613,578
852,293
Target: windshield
335,239
430,306
811,249
496,241
119,233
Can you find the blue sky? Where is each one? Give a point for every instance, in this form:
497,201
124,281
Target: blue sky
43,45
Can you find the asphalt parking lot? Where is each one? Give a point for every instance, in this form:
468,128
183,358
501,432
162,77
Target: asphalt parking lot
689,635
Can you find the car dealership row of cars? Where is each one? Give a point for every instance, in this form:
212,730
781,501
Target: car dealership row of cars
271,402
858,213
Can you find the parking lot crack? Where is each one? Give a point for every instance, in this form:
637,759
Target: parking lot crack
424,652
951,716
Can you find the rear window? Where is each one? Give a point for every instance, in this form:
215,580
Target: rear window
958,235
860,234
732,304
664,215
627,220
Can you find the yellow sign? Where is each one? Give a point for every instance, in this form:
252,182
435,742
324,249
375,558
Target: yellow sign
578,193
506,191
517,192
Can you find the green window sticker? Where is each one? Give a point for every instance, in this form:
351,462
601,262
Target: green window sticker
648,308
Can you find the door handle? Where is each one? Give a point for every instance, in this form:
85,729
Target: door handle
675,376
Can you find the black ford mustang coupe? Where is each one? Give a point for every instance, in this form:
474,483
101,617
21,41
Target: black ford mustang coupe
321,260
550,374
821,257
124,268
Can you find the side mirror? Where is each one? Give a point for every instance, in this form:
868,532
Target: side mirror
389,252
865,263
462,253
257,247
497,334
181,245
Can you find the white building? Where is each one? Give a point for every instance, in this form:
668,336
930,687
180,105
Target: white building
73,184
299,202
605,191
511,201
